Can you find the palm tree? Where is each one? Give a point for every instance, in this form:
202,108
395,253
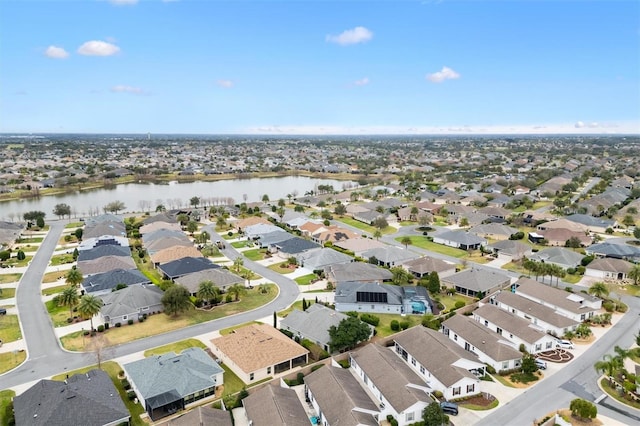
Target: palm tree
621,353
377,234
74,277
207,291
609,365
406,241
69,297
599,290
634,274
237,290
89,306
238,262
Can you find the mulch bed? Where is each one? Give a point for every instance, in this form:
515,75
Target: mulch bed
479,400
556,355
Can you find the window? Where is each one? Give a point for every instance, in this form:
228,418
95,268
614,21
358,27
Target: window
269,370
410,416
413,361
538,347
513,311
456,391
583,317
146,308
250,376
499,331
510,336
124,317
549,345
421,369
505,365
470,388
455,337
486,323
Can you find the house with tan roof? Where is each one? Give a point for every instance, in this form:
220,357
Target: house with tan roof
488,345
338,398
258,351
170,254
311,228
514,329
423,266
250,221
154,226
536,313
562,224
441,363
105,264
333,234
359,245
164,243
608,268
400,391
560,236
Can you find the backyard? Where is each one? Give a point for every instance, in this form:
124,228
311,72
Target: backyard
364,227
424,243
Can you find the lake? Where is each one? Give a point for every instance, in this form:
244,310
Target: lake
135,196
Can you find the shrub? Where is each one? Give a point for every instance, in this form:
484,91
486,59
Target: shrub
352,314
131,395
404,325
228,298
287,333
130,322
571,271
580,270
459,304
118,324
490,369
437,394
609,306
344,363
370,319
20,255
100,328
395,325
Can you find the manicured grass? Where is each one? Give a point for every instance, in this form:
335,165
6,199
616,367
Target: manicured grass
7,293
366,228
9,328
474,407
255,254
232,383
227,237
67,239
449,302
176,347
241,244
53,290
162,323
572,279
424,243
30,240
112,368
306,279
503,381
59,314
478,257
10,360
384,327
50,277
226,331
296,305
18,263
515,267
282,268
613,393
5,404
10,278
74,225
146,267
61,259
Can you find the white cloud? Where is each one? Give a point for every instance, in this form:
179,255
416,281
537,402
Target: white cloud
98,48
128,89
56,52
123,2
579,125
445,73
225,83
362,82
353,36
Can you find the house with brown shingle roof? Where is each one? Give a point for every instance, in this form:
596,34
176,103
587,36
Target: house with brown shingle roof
560,236
425,265
154,226
170,254
609,268
441,363
333,234
105,264
488,345
250,221
258,351
400,391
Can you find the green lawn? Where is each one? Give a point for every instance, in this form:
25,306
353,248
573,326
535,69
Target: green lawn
296,305
384,327
364,227
282,268
255,254
59,314
10,360
10,278
54,290
474,407
232,383
5,406
612,392
241,244
61,259
306,279
74,225
450,301
176,347
112,368
9,328
162,323
503,381
18,263
424,243
7,293
30,240
233,236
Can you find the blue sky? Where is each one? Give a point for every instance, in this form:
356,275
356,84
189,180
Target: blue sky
208,66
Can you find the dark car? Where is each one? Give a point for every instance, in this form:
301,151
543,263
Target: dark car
3,311
449,408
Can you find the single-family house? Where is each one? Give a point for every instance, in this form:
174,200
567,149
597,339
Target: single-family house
174,253
154,226
130,303
593,224
104,283
389,256
274,405
536,313
560,237
490,347
333,234
162,234
184,266
516,330
562,224
164,243
425,265
103,250
400,391
359,245
102,240
510,250
167,383
609,268
616,251
381,298
494,231
320,258
338,398
356,271
258,351
563,257
476,282
294,246
440,363
83,399
105,264
221,278
460,239
201,416
250,221
578,306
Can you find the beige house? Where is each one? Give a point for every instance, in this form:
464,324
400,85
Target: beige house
258,351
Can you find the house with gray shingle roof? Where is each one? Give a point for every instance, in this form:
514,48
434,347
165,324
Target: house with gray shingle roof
389,256
103,240
616,251
88,399
609,268
423,266
495,231
460,239
320,258
402,393
186,265
221,278
516,330
313,324
382,298
488,345
130,303
167,383
274,405
438,361
511,250
294,246
593,224
107,281
339,399
477,282
563,257
103,250
357,271
200,416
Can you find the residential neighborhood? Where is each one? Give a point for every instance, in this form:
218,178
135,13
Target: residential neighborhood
455,278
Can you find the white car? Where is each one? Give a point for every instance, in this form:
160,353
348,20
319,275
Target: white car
542,365
564,344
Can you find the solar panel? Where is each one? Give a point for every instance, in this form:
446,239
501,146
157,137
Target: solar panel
370,297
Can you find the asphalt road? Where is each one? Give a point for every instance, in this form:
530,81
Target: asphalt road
45,356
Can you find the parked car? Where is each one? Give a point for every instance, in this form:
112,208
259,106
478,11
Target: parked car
564,344
449,408
3,311
542,365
